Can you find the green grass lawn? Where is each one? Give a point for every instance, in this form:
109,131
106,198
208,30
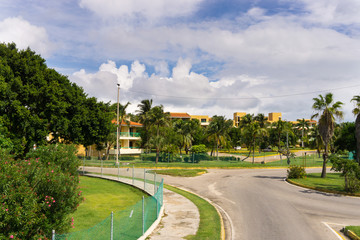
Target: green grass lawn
210,225
309,161
181,172
101,198
354,229
332,182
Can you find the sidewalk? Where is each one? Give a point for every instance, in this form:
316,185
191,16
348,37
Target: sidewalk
181,218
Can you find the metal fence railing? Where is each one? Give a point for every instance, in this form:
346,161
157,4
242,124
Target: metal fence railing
134,221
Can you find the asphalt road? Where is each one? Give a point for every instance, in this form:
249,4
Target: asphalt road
261,205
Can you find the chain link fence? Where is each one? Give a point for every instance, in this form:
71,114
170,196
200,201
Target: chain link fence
134,221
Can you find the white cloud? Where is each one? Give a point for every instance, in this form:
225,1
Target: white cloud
139,9
333,12
25,35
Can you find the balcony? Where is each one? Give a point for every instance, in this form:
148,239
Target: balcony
127,150
130,135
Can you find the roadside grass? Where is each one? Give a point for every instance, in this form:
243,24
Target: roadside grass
354,229
101,198
181,172
332,183
210,225
308,161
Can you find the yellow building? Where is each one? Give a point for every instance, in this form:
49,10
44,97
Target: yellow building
237,118
274,117
129,138
203,119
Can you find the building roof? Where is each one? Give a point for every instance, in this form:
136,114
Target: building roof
179,115
132,124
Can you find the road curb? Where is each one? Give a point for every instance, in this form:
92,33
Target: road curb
351,234
222,236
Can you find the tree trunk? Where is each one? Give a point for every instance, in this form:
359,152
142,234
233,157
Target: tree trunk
325,156
157,155
357,135
302,138
253,160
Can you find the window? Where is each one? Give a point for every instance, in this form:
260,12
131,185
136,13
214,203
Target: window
203,120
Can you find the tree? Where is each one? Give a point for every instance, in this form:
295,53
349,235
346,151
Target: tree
279,128
261,119
346,139
219,129
327,110
143,114
315,139
302,125
252,133
356,112
158,118
36,101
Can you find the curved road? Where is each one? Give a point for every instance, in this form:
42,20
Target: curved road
261,205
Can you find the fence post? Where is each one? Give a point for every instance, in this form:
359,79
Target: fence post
143,215
118,171
112,226
133,175
101,167
154,183
53,235
157,208
144,179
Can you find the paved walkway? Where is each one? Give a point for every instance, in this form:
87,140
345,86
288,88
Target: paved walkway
181,216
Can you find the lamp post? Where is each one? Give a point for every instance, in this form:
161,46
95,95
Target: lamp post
118,124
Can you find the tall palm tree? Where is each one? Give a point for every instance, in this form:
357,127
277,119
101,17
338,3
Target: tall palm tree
252,133
302,125
158,118
356,112
219,129
327,110
143,113
280,127
261,119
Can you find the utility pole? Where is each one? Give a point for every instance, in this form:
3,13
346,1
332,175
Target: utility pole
118,125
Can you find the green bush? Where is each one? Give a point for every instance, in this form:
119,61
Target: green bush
38,194
296,172
349,169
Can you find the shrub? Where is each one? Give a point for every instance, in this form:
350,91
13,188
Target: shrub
350,170
198,148
38,194
296,172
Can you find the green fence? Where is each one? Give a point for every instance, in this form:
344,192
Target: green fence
127,224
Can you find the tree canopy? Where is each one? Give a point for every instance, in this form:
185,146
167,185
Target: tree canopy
36,101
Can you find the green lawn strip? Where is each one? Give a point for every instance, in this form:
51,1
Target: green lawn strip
180,172
354,229
101,198
210,225
333,183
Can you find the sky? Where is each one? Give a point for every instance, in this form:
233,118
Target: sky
203,57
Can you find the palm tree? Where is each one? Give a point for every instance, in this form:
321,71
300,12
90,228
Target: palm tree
356,112
302,125
218,129
158,118
328,110
281,127
253,132
315,139
143,114
261,119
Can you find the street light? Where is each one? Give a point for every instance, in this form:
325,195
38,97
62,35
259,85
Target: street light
118,124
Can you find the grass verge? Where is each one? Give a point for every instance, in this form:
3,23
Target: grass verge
210,225
333,183
354,229
181,172
101,198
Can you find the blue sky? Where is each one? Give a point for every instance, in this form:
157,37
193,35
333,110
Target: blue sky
196,56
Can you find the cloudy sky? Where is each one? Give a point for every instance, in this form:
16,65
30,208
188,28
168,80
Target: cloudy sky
198,56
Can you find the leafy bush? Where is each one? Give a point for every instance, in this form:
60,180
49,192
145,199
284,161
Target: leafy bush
296,172
38,194
198,148
349,169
